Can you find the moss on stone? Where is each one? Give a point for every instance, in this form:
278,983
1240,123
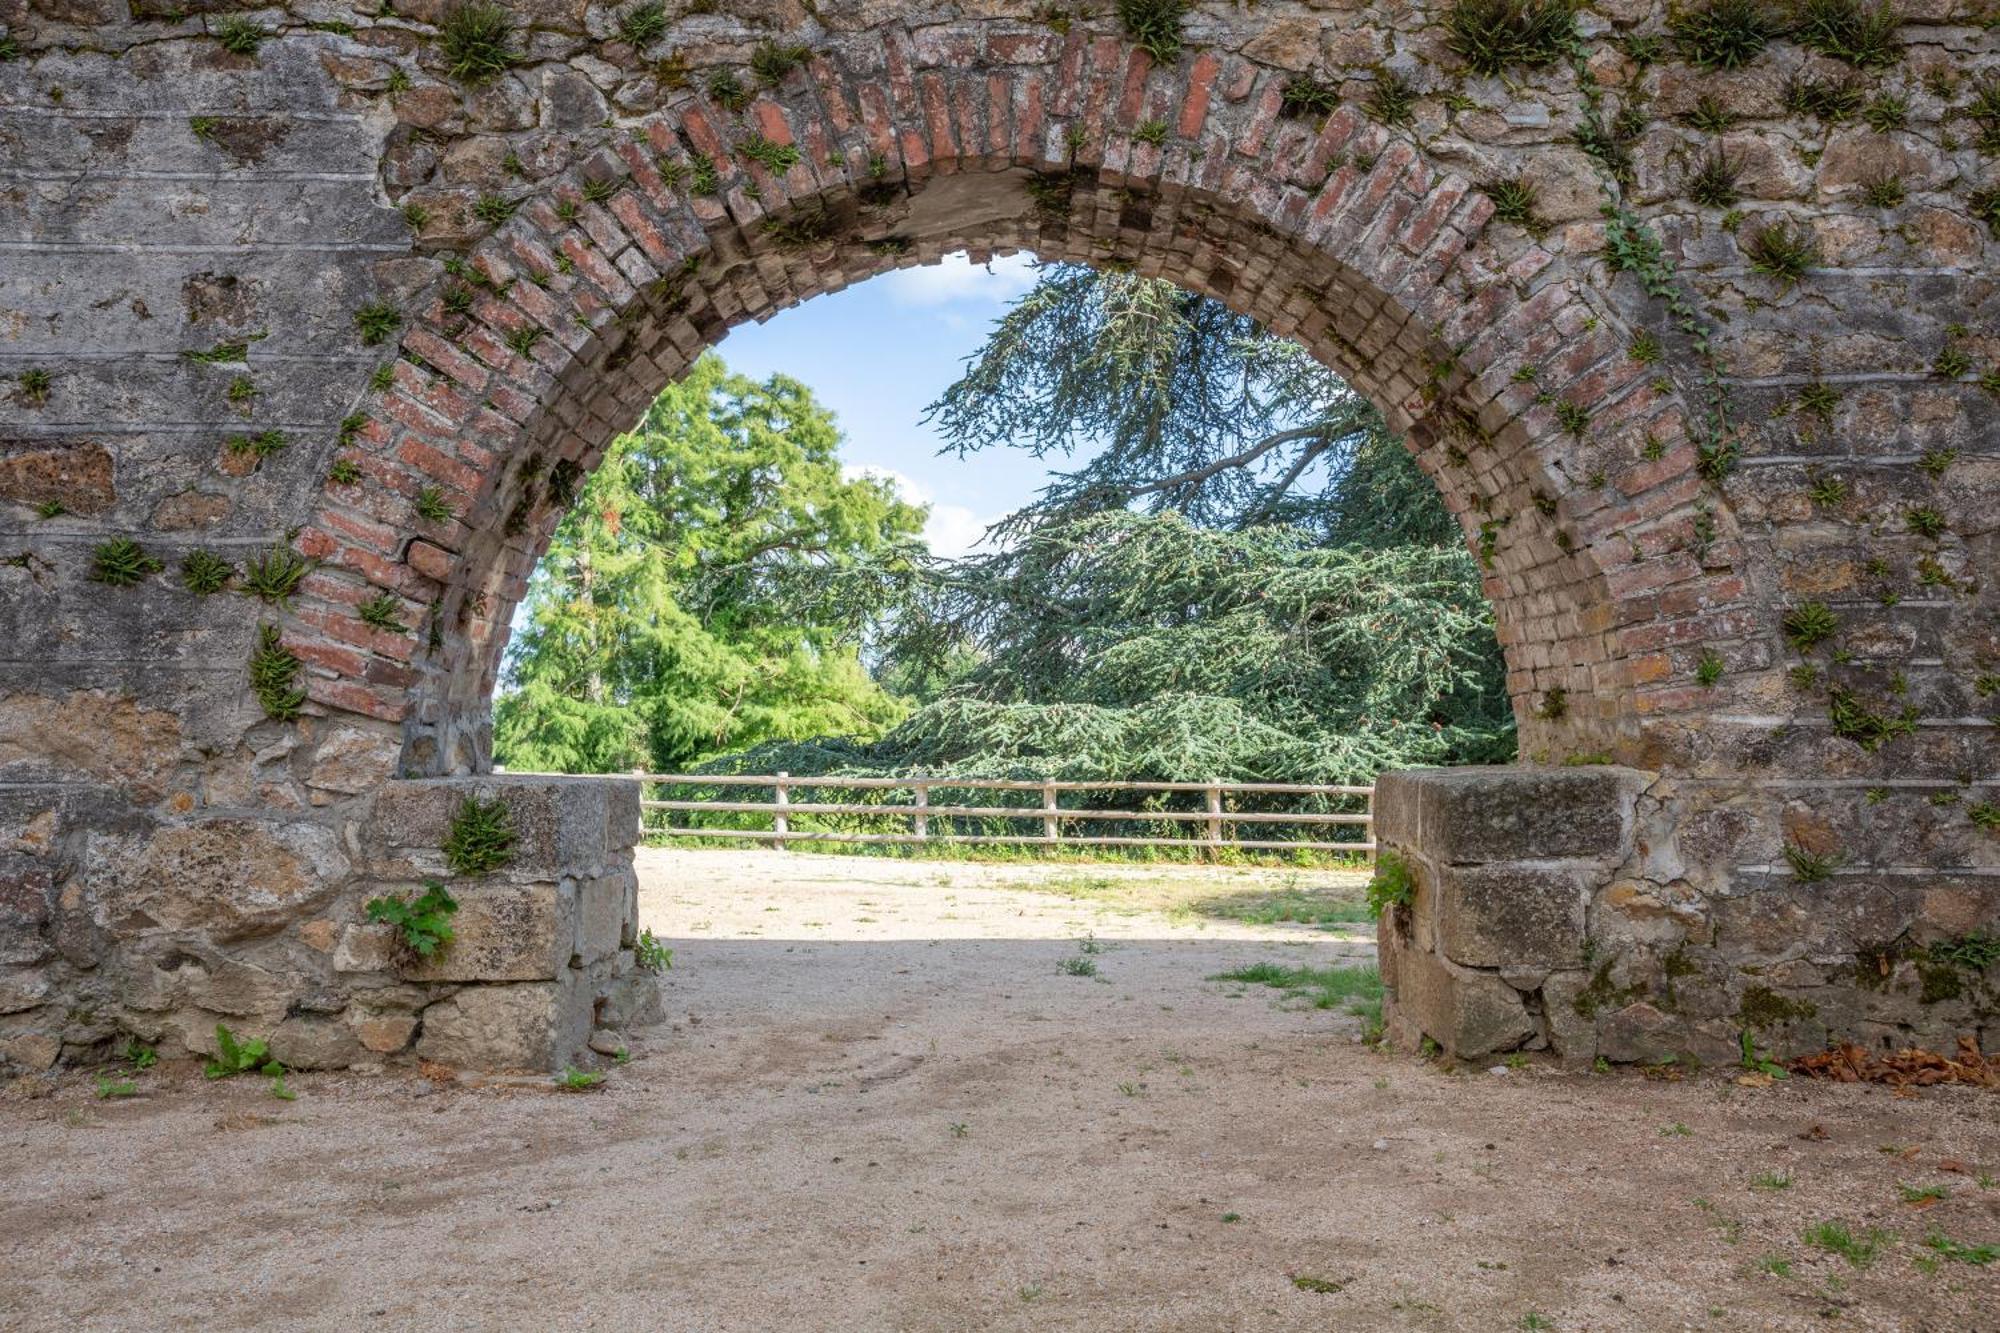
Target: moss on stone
1763,1007
1602,994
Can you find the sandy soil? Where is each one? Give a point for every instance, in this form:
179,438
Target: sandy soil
906,1117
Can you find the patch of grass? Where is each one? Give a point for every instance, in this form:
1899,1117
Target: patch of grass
121,562
430,505
275,575
35,386
1959,1253
238,1055
481,839
260,446
1713,182
776,158
1835,101
1861,34
376,321
1077,967
1513,201
1884,192
522,340
241,390
477,42
643,23
383,611
1152,132
1723,34
274,673
1809,866
1573,417
600,189
344,472
1854,720
1287,905
1392,99
1490,35
1810,623
1782,250
1307,98
1709,669
1319,1286
573,1079
204,573
1771,1180
423,921
1355,989
1837,1238
110,1087
1709,116
1924,521
493,209
1818,398
239,36
1885,112
1154,26
772,61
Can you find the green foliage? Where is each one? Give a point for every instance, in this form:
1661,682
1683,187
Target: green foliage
1809,623
1859,33
600,189
274,673
1513,201
1307,98
1154,26
481,839
1886,112
1854,720
424,921
651,955
1974,952
376,321
1758,1064
1834,100
121,562
344,472
1924,521
275,575
1709,669
429,502
35,385
260,446
1392,99
236,1055
1709,116
1958,1252
477,41
1818,399
239,36
1837,1238
643,23
224,353
1150,132
1077,967
1782,250
1713,182
727,91
772,61
706,590
523,339
203,572
573,1079
383,611
109,1087
1884,192
776,158
1809,866
1393,885
494,209
1723,34
1489,35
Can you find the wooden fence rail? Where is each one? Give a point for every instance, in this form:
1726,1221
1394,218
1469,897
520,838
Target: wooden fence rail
1217,824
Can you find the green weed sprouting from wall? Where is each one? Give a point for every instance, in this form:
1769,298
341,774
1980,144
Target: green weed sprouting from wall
274,674
477,41
275,575
121,562
204,572
1154,26
1490,35
481,839
423,921
1394,884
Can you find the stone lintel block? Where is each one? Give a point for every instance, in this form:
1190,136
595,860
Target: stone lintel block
607,914
1467,816
1468,1013
501,932
1513,915
536,1025
562,825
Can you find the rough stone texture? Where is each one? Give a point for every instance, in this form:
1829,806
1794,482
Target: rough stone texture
166,198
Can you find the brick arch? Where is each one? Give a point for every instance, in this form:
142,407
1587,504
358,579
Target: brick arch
607,284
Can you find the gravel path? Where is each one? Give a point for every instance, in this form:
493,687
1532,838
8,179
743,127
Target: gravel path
884,1106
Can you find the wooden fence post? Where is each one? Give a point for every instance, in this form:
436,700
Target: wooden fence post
1368,829
779,823
1214,818
1051,825
920,823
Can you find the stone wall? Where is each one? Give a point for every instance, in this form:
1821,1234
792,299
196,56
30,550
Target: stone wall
278,285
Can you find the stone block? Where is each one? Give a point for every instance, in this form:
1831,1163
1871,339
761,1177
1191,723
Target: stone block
1472,815
561,825
1512,915
314,1042
501,932
602,907
532,1025
232,879
1468,1013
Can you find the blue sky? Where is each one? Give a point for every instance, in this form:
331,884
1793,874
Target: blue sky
877,354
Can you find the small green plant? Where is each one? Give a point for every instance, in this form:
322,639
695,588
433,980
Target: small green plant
1532,1320
1924,521
1782,250
241,390
477,41
109,1087
274,673
430,505
1984,814
1676,1131
959,1129
1937,460
264,444
1077,967
772,61
643,23
1319,1286
1886,112
344,472
1490,35
1854,720
1307,98
204,573
1713,182
415,215
239,36
1758,1064
1836,1238
1394,884
275,575
1953,362
1154,26
139,1055
121,562
493,209
383,611
1392,99
573,1079
1709,116
600,189
481,839
1959,1253
1833,100
1818,399
377,320
1808,624
1861,34
1809,866
776,158
727,91
1723,34
1883,192
1771,1180
424,921
1152,132
651,954
1514,201
1574,417
234,1055
35,386
1709,669
522,340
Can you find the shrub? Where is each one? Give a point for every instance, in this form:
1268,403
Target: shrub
477,42
1394,884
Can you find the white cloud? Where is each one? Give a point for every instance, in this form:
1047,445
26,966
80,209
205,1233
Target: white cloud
950,530
957,278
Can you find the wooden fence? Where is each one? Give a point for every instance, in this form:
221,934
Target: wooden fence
1219,822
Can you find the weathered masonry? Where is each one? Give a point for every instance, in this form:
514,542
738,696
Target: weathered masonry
311,321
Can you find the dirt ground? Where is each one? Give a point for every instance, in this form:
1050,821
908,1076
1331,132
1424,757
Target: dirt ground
882,1103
